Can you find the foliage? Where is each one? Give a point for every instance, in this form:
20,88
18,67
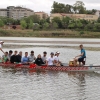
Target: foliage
23,24
1,23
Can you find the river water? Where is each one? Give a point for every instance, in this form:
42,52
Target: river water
25,85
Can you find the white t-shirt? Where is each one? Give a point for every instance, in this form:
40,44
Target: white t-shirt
56,58
0,46
50,60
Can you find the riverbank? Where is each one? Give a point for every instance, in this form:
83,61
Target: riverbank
49,33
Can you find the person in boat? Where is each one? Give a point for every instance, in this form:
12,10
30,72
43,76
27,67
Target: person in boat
5,57
14,58
50,60
39,60
56,59
10,53
1,44
25,59
32,58
80,58
19,56
44,57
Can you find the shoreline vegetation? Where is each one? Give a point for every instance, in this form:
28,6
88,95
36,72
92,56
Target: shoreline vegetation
58,33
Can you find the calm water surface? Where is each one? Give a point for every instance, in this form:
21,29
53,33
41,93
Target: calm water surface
25,85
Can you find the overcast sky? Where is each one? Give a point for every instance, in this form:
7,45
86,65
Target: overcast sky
45,5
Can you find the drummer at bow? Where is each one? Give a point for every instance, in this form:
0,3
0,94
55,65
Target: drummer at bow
80,58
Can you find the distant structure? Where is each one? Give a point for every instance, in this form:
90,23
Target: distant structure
98,13
42,15
16,12
74,16
3,12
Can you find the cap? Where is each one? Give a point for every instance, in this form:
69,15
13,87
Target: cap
58,52
32,51
52,53
1,41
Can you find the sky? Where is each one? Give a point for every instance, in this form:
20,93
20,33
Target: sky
45,5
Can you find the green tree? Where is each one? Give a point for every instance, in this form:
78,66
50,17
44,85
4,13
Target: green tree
1,23
30,24
23,24
79,24
45,25
58,21
79,7
54,25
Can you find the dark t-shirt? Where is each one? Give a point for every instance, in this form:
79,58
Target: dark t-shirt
39,61
14,58
19,57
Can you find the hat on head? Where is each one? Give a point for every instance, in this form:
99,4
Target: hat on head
1,42
52,53
58,52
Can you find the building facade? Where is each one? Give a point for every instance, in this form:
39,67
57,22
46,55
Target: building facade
74,16
16,12
98,13
42,15
3,12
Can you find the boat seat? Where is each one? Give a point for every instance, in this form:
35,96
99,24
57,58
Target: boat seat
84,61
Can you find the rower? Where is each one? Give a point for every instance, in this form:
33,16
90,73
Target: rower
19,56
10,53
39,60
50,60
32,58
1,44
56,59
44,56
5,57
25,59
14,58
80,58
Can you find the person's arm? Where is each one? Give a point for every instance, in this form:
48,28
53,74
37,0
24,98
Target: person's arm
80,55
2,50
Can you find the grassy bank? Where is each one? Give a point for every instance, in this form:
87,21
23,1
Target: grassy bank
50,33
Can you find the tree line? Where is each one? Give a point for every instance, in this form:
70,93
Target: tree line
34,22
77,8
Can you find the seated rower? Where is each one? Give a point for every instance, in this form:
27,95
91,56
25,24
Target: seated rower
44,57
10,53
39,60
56,59
14,58
5,57
25,59
50,60
80,58
32,58
19,56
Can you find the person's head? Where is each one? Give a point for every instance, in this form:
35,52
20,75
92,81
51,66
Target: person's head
10,52
44,53
6,53
20,53
39,56
26,54
32,52
57,53
81,46
52,54
1,42
15,52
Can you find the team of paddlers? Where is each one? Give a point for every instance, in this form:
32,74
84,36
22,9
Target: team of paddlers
15,57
